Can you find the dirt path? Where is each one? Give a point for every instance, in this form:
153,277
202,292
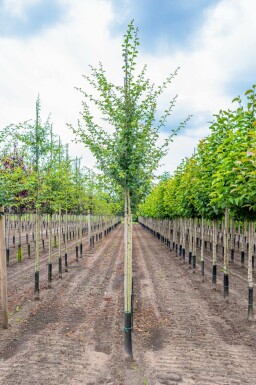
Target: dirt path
184,331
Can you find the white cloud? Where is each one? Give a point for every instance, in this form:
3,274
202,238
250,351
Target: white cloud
17,8
53,62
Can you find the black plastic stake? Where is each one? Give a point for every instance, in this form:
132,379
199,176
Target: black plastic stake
128,333
242,258
66,262
60,267
37,285
190,258
226,285
50,275
7,257
250,304
214,274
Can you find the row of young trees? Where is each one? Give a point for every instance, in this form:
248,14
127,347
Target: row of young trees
38,175
218,181
36,171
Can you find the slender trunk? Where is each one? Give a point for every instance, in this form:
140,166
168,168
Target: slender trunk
232,243
37,255
89,229
250,271
190,246
7,243
214,251
50,253
225,261
242,244
184,240
202,246
174,235
66,239
60,257
194,244
19,251
128,275
76,231
81,235
3,271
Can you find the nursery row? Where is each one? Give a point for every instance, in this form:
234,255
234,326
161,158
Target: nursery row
38,240
21,229
197,239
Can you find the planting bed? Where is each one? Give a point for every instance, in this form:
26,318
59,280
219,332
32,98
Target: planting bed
184,331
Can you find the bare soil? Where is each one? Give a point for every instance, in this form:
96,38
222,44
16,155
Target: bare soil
185,332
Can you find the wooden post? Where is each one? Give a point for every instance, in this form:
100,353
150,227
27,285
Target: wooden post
3,270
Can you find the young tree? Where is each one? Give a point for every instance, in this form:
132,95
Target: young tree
130,154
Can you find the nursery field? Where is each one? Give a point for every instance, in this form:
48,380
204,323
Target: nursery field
184,330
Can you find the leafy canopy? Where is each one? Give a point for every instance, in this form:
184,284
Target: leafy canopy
126,149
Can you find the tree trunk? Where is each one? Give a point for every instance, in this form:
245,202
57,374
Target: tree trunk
66,240
232,239
202,246
250,271
89,229
3,270
19,251
50,253
190,246
225,259
242,243
60,256
194,243
214,251
37,255
81,235
7,244
127,275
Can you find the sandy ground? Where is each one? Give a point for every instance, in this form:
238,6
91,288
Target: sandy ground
184,330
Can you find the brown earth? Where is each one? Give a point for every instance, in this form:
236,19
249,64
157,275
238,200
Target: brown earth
184,330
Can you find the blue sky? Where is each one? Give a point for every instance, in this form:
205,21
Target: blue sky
29,18
171,20
47,45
